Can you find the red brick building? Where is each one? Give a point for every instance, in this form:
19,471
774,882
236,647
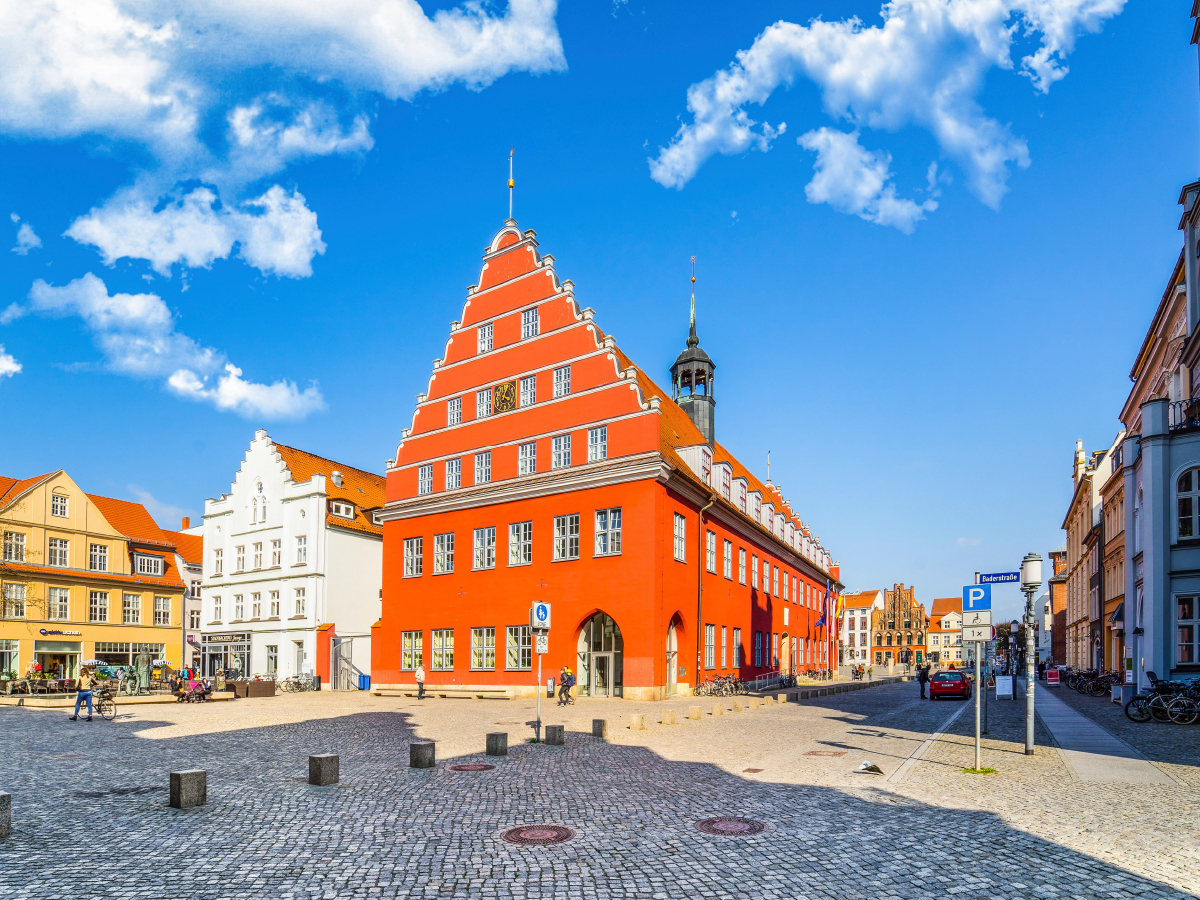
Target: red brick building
542,464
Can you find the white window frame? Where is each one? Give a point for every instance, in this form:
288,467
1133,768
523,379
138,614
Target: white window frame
608,531
442,657
301,549
520,543
527,458
60,553
528,390
754,571
15,598
562,381
453,474
710,646
276,552
598,443
518,648
728,562
454,411
743,492
443,553
131,609
726,484
680,538
724,646
60,603
741,565
300,596
485,548
566,537
162,610
530,323
98,606
483,403
98,558
710,551
256,605
60,505
737,648
706,467
273,599
239,553
218,561
257,551
560,451
14,546
239,607
425,479
483,649
412,650
1186,525
483,338
483,467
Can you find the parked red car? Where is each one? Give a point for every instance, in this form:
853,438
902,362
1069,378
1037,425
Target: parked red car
949,684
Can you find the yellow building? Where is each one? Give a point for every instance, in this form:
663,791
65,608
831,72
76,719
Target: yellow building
83,577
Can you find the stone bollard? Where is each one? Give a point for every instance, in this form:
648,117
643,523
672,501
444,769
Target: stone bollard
323,770
637,722
781,698
718,709
189,788
5,814
737,706
600,728
753,703
556,735
668,717
694,712
497,743
421,755
768,700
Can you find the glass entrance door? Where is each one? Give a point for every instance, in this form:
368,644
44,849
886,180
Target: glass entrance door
602,674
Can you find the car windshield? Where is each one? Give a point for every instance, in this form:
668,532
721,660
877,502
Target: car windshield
947,676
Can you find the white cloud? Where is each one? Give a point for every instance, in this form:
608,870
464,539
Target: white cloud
851,179
8,364
923,66
26,240
137,335
276,233
265,135
967,542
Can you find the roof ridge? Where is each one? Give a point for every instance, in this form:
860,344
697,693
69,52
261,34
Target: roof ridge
327,459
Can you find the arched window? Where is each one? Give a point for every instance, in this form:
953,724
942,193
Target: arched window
1187,503
879,640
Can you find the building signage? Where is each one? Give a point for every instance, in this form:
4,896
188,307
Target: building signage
226,638
1000,578
53,631
977,596
543,642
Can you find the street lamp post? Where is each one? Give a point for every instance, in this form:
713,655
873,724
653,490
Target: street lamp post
1031,580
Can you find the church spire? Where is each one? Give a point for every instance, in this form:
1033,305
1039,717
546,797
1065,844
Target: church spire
692,340
692,378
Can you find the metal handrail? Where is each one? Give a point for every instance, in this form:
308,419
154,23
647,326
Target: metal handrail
1183,415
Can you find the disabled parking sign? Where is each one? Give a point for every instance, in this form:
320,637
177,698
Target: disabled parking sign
976,597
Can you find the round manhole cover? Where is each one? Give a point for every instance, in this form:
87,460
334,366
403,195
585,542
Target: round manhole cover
730,826
538,835
472,767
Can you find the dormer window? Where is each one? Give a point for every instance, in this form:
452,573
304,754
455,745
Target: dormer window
757,508
742,494
149,565
726,483
706,467
342,509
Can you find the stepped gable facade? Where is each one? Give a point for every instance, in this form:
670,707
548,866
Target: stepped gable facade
899,628
542,464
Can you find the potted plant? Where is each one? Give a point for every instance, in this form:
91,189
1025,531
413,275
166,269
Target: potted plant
5,677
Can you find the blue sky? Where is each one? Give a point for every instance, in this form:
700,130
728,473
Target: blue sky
918,329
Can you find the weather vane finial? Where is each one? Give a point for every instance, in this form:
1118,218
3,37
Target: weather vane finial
511,183
693,341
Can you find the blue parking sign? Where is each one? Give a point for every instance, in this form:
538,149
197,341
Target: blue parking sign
977,596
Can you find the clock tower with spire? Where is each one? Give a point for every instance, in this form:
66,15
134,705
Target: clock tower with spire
692,379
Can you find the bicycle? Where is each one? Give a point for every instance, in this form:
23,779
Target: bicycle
106,706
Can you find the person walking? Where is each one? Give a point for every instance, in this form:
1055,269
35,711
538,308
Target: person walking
87,682
870,672
923,679
1042,670
420,676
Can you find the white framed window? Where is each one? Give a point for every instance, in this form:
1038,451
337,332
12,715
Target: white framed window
483,338
485,548
706,467
598,443
785,587
741,565
1187,630
277,552
529,390
483,648
454,411
737,648
1188,504
412,650
453,474
257,554
14,546
527,458
272,659
483,403
710,646
443,649
59,603
680,538
443,553
795,590
98,558
562,381
757,508
710,551
339,508
301,549
754,572
529,323
520,543
608,531
758,649
194,619
775,650
162,610
560,451
59,552
518,648
724,646
98,606
216,609
726,484
14,601
728,562
239,607
483,467
766,581
566,537
301,602
425,479
775,589
131,609
239,553
256,605
742,491
274,601
218,558
59,505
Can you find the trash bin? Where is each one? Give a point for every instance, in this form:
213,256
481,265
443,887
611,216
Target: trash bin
364,682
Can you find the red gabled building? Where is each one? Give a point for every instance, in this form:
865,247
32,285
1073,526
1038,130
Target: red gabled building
543,465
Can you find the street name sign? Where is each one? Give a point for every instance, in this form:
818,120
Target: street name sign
539,617
976,597
978,633
977,617
1000,578
543,642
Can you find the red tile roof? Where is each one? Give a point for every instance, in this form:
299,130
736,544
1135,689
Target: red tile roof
365,490
190,546
133,521
861,600
945,605
11,488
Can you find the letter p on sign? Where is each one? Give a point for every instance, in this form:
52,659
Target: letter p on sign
977,596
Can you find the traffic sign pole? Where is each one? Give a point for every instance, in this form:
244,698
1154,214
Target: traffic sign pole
978,646
539,622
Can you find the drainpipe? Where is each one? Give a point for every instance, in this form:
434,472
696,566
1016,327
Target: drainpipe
712,498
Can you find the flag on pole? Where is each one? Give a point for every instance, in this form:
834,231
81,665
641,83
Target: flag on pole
824,607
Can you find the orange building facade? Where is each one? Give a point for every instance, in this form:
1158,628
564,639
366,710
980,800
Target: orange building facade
543,465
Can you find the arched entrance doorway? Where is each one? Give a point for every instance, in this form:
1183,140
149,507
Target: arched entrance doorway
672,659
601,657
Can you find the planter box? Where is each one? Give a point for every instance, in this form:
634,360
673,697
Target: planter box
261,688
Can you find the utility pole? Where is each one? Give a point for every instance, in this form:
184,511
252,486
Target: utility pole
1031,580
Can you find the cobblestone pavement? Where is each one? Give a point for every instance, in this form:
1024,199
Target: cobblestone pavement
90,820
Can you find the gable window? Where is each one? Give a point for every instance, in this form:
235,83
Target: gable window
529,390
562,381
529,323
741,565
608,531
454,411
485,548
414,559
453,474
59,505
218,561
483,403
597,443
680,538
483,467
149,565
425,479
483,338
520,543
560,452
726,483
706,467
527,458
566,537
98,606
518,648
301,550
443,553
443,649
98,558
276,552
1188,503
710,551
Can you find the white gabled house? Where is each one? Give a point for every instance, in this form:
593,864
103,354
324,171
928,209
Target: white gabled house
293,568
